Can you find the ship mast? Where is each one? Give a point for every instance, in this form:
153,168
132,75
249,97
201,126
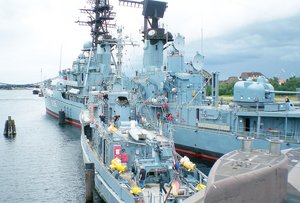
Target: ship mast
154,37
152,11
100,16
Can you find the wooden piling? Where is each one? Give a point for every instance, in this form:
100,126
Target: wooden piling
89,181
61,117
10,128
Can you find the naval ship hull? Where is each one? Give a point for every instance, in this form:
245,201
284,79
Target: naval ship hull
217,132
212,145
55,103
105,183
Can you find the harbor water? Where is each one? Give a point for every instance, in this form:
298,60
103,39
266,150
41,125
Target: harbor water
43,163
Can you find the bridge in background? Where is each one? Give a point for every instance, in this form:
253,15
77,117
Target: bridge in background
13,86
9,86
28,85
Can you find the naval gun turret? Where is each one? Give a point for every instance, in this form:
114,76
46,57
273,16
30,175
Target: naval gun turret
259,93
251,92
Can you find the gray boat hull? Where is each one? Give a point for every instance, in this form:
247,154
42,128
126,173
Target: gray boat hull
55,103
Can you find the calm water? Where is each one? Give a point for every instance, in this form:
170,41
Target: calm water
43,163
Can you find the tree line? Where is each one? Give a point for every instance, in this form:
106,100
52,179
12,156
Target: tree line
290,84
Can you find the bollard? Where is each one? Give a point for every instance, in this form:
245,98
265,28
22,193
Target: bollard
274,148
247,143
89,181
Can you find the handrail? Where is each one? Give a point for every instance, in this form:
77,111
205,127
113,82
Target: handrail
289,136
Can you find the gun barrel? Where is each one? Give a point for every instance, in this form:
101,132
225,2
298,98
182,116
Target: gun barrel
282,92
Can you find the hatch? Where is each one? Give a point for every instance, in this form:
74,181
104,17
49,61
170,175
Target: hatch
122,101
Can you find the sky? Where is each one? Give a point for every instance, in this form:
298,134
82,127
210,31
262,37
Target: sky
38,37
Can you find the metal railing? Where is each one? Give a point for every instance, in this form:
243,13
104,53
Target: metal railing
288,137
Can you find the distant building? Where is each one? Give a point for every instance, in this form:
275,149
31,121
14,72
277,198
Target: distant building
251,75
230,80
281,81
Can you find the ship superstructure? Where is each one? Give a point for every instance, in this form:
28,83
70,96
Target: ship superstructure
121,145
171,90
93,68
174,92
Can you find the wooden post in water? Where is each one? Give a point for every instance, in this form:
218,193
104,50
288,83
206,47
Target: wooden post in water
10,128
61,117
89,181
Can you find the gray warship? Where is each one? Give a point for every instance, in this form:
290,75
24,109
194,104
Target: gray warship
66,95
123,145
173,91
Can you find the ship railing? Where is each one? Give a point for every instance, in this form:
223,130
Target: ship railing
150,197
284,107
102,131
160,198
287,137
249,109
202,177
153,198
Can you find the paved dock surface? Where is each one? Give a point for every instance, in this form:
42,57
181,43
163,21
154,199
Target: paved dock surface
293,188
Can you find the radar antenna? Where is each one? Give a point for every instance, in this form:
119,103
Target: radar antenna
130,3
197,62
153,10
100,16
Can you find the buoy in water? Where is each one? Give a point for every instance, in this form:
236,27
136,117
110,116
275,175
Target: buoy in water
61,117
9,128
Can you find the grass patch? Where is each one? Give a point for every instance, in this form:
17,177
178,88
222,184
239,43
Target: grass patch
226,98
278,98
281,98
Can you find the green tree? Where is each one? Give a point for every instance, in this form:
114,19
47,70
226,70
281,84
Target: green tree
208,90
226,89
291,84
275,83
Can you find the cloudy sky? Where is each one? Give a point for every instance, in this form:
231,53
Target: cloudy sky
238,35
